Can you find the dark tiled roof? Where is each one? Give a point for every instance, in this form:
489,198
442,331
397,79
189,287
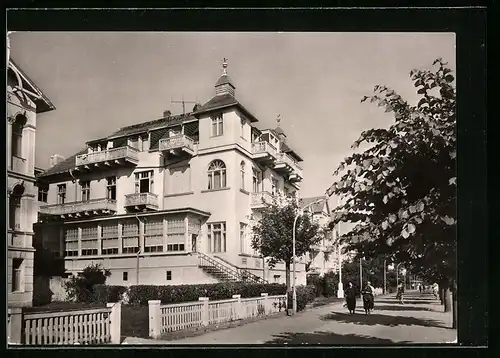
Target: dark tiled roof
317,208
285,148
224,101
224,79
64,166
278,130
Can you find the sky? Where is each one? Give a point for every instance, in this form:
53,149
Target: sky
101,81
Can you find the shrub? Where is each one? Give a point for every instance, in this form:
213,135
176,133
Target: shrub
330,284
140,295
318,282
80,288
105,293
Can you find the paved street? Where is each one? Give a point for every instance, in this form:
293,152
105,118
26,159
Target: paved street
420,320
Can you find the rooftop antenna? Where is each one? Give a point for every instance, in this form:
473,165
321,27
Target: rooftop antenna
183,104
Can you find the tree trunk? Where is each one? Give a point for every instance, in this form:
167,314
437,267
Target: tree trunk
447,298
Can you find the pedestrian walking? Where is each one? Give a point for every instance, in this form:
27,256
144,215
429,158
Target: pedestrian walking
435,288
401,291
350,298
420,288
368,298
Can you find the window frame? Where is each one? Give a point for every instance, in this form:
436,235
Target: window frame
111,187
61,193
217,167
242,175
217,127
85,190
17,139
243,237
212,239
139,178
168,275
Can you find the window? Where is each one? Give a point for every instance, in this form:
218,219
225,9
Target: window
277,278
17,135
17,265
216,175
169,275
111,188
71,241
217,237
130,237
144,182
89,241
176,236
242,128
274,186
144,143
85,185
109,239
242,175
61,193
217,126
43,192
15,209
243,243
256,181
125,276
153,235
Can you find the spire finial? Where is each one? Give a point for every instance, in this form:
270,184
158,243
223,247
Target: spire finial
224,66
278,119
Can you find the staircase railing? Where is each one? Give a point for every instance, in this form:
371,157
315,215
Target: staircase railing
207,261
243,273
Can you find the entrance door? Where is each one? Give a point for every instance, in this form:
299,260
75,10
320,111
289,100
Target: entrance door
194,242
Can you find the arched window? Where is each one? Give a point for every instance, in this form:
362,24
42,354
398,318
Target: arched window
15,207
17,135
242,175
216,175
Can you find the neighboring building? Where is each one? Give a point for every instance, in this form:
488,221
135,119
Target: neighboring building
168,201
24,102
323,257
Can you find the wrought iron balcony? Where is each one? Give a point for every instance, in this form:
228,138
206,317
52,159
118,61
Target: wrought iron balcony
93,207
287,165
139,201
106,158
178,144
264,152
260,198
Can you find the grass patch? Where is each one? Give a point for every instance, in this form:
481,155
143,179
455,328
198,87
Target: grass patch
135,321
322,301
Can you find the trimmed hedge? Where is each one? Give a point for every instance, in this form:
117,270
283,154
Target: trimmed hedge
106,293
326,285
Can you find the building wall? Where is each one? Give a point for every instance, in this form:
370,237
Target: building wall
21,172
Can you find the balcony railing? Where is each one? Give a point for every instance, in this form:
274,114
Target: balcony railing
285,160
178,142
263,147
89,207
128,153
259,198
142,199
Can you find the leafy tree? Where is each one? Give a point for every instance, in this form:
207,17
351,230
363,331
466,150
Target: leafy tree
80,288
401,190
272,233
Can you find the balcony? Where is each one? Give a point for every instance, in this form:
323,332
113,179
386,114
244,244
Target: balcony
178,145
259,199
264,153
286,165
108,158
94,207
141,201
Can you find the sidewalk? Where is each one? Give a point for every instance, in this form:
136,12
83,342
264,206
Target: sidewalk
420,320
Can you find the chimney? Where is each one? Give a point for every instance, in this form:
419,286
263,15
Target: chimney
55,159
166,113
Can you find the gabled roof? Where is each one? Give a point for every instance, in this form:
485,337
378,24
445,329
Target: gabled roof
316,208
224,101
43,104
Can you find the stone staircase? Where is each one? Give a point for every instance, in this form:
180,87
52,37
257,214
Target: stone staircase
224,271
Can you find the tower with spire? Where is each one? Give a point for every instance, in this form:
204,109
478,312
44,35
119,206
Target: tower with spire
224,85
279,131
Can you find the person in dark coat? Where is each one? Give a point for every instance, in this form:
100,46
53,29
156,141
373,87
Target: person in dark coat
350,297
368,298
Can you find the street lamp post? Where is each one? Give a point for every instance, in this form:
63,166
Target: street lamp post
397,274
294,290
385,277
360,273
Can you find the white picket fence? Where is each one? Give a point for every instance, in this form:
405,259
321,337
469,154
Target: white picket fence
90,326
181,316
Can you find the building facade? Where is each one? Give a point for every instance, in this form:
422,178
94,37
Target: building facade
323,257
24,102
169,201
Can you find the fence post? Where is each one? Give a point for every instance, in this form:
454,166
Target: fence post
154,318
265,303
204,311
115,321
15,329
238,308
